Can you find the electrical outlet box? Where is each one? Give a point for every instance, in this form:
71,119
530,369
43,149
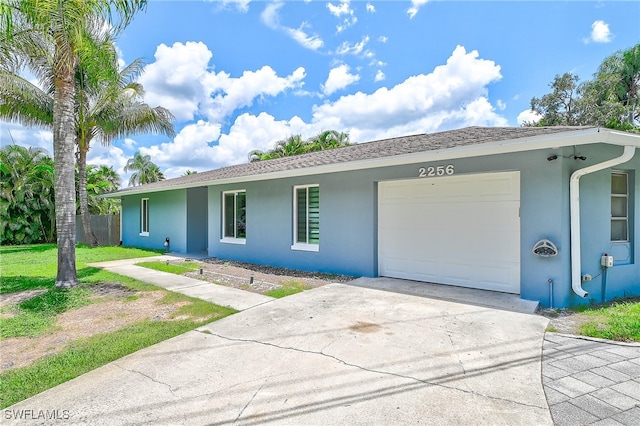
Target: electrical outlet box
587,277
606,261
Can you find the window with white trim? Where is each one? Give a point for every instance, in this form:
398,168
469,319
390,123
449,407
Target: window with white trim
306,217
234,216
619,207
144,217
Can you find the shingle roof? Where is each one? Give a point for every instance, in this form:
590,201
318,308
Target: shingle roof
361,151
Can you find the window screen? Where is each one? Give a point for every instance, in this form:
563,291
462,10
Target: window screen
619,206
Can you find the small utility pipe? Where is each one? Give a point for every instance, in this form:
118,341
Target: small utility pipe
574,194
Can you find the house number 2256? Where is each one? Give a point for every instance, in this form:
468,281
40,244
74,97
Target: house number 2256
433,171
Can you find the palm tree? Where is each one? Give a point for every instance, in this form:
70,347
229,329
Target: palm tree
105,110
328,139
53,34
108,111
145,170
294,145
621,74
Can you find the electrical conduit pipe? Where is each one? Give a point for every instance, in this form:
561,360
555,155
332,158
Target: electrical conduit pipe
574,194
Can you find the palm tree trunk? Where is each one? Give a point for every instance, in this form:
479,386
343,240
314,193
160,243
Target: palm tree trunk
89,236
64,179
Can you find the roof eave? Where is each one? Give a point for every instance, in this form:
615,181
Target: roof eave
549,141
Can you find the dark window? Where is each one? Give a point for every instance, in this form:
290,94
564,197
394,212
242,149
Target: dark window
234,214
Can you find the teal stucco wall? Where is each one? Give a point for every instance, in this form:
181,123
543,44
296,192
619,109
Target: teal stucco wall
348,221
167,218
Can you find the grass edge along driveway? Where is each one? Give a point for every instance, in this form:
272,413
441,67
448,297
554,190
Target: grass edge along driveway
32,267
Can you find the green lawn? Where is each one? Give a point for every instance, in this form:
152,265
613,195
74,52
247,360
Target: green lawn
288,288
173,268
618,320
33,267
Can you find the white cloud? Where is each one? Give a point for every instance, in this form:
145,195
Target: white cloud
528,116
190,145
380,76
193,148
230,93
600,33
129,143
415,7
371,8
270,15
454,93
111,155
340,10
311,42
271,19
181,80
354,49
383,39
176,79
241,5
14,133
339,78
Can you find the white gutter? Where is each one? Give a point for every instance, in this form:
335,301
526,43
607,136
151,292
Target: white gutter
574,194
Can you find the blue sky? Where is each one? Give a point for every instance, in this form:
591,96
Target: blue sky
240,75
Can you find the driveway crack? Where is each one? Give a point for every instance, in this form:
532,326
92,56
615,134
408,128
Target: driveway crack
457,355
370,370
249,402
148,377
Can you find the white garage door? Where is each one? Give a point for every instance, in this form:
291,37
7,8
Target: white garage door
461,230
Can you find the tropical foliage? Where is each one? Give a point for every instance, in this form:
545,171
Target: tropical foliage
53,35
27,208
26,196
295,145
100,180
611,99
145,170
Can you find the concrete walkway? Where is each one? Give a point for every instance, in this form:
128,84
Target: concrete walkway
351,354
218,294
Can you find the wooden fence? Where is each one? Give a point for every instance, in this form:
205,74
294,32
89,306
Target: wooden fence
105,227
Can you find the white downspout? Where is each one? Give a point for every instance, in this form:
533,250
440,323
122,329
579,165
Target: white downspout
574,194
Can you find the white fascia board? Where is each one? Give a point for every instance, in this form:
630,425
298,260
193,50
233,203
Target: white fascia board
550,141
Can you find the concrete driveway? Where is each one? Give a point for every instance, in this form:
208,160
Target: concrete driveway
338,354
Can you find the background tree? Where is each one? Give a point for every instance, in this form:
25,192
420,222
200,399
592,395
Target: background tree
610,99
295,145
101,180
53,33
145,170
328,139
26,196
562,106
